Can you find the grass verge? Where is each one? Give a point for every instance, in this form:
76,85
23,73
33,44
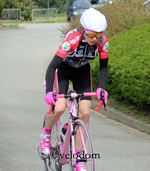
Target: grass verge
9,25
12,25
142,115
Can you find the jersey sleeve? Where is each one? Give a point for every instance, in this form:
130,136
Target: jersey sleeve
69,43
103,47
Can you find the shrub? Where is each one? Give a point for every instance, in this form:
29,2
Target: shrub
129,66
121,16
124,15
26,7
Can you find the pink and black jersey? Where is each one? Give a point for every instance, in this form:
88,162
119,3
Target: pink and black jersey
76,52
73,58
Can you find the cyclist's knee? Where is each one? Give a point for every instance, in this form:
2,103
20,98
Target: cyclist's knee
60,107
84,116
59,112
84,110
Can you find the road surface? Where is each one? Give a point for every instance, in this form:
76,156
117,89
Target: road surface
24,57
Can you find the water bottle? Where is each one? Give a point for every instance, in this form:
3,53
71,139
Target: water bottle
64,129
63,132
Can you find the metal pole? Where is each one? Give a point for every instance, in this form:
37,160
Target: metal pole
48,3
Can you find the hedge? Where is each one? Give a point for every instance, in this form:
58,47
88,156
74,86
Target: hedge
129,66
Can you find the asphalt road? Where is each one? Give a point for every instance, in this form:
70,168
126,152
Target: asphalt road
24,56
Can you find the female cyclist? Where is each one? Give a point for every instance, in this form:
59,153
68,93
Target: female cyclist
72,61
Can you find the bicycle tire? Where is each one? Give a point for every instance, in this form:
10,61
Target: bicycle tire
86,147
71,167
54,164
52,161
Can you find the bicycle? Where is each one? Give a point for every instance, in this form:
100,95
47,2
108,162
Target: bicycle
63,147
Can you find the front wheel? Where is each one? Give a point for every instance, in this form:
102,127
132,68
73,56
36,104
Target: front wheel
83,145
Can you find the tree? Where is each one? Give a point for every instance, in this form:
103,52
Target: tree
25,6
59,4
1,7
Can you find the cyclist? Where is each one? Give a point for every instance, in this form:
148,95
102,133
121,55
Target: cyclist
72,61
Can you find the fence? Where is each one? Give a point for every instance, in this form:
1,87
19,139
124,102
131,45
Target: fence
44,15
11,15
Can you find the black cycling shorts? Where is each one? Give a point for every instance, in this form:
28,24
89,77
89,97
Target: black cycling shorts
80,78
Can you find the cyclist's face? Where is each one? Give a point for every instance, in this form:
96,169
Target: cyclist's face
91,37
90,41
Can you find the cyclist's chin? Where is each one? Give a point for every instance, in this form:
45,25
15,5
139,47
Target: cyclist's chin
92,42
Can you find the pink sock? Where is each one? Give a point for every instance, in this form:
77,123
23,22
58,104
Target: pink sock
46,131
77,151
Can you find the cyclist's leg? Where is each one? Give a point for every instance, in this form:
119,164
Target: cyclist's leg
54,160
82,83
51,119
84,110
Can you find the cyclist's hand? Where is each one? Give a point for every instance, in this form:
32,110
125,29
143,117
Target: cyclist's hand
49,98
102,94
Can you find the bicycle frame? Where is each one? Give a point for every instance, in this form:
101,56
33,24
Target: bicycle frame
71,105
64,150
69,142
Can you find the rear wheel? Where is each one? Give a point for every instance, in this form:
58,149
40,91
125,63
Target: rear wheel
52,161
55,153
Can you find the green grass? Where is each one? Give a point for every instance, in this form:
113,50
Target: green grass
44,19
9,25
130,110
12,25
62,18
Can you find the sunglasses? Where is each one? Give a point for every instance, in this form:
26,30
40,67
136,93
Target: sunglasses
92,34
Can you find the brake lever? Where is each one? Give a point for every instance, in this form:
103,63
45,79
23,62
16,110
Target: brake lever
102,98
55,96
50,111
51,107
99,106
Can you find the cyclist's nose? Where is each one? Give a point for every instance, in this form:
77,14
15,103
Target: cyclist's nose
94,38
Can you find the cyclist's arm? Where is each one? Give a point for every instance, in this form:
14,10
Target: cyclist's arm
56,61
103,72
103,61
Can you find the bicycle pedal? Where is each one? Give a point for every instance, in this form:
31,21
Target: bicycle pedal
43,156
81,160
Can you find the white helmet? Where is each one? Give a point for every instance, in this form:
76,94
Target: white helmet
93,20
